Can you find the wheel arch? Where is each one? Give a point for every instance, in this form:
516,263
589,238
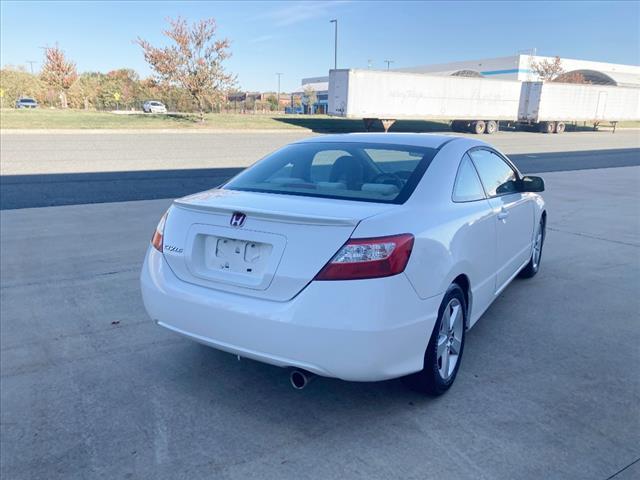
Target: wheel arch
462,280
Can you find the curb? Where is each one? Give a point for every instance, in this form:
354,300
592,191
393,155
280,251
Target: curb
139,131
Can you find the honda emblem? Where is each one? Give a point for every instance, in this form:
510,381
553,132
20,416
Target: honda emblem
237,219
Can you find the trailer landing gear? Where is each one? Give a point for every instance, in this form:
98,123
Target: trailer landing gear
386,123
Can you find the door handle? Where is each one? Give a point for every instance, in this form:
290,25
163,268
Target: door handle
503,214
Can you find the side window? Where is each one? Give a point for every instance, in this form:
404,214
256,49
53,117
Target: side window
497,177
467,187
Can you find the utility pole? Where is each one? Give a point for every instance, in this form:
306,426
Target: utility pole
388,62
335,47
278,99
31,62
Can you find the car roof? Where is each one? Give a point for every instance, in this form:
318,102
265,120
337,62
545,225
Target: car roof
428,140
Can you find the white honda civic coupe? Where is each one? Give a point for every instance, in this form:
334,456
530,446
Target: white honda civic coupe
361,256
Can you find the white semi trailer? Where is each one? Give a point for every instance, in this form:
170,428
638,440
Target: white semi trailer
475,105
550,105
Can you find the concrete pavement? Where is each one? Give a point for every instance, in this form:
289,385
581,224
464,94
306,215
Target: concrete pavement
549,385
78,152
76,168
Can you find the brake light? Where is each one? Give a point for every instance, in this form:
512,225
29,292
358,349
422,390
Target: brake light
361,258
157,238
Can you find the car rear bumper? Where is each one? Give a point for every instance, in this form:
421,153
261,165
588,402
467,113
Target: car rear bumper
358,330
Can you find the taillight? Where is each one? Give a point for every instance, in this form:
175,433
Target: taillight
361,258
157,240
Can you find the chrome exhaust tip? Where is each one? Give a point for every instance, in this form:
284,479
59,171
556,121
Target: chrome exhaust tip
300,378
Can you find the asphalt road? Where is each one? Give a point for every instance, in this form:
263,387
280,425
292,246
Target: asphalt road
67,169
91,388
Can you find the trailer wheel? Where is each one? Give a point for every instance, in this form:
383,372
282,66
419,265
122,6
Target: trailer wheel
491,127
478,127
547,127
560,127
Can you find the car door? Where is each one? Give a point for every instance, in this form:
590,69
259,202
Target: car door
513,212
477,235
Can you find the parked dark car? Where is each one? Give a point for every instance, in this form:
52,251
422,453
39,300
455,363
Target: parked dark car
26,102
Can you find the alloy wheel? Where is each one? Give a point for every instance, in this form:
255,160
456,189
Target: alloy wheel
537,248
450,338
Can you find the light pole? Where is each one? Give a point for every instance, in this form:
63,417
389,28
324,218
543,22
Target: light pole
31,62
335,49
278,100
388,62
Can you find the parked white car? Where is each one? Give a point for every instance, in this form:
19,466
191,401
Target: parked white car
153,106
361,256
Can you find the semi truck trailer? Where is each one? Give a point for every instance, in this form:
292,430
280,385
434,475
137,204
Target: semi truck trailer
476,105
549,106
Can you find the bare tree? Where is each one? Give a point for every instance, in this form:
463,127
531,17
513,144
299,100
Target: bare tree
193,62
547,70
58,72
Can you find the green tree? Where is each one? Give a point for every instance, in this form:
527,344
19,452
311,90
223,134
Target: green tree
311,98
18,83
272,102
121,88
86,91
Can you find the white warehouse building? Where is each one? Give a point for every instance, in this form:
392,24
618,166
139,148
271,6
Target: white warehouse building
518,67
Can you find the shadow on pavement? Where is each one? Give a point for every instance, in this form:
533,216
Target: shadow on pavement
26,191
347,125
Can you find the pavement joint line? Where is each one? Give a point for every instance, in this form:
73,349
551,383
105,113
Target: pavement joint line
97,354
623,469
593,237
59,280
108,328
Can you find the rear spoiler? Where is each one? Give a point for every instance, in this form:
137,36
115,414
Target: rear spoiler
270,215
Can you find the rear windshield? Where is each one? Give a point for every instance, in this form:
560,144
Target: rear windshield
27,100
155,104
368,172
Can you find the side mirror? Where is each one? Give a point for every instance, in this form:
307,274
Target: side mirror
531,184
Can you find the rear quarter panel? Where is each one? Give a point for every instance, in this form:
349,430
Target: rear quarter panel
450,238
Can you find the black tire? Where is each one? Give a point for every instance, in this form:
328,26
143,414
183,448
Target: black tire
534,264
478,127
491,127
560,127
547,127
429,380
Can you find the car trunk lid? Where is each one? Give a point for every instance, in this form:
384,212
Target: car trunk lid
280,245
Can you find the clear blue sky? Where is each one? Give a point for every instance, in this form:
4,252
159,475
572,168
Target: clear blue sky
296,38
